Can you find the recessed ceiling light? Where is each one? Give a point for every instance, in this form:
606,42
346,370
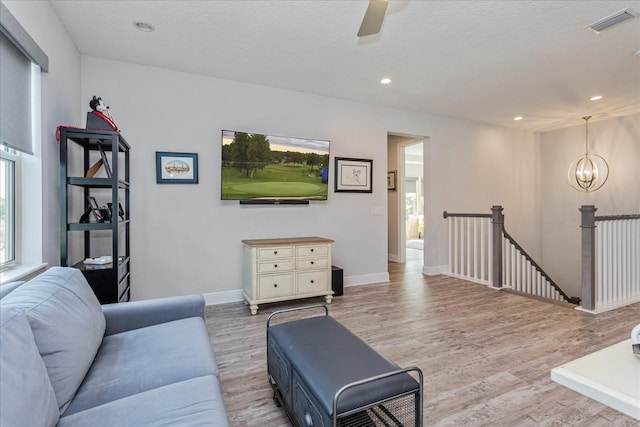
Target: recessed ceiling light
517,118
144,26
596,98
385,81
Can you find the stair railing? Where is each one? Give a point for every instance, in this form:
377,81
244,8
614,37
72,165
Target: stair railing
470,247
610,271
482,251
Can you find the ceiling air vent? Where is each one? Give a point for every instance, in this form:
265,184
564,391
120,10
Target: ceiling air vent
610,21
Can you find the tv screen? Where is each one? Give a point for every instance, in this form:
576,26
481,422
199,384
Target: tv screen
258,166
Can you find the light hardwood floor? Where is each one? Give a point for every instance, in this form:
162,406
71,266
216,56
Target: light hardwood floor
485,354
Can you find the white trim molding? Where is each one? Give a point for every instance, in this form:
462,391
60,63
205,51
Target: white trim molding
22,272
224,297
367,279
435,270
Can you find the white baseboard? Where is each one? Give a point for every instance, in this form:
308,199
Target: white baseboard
215,298
609,307
366,279
438,269
224,297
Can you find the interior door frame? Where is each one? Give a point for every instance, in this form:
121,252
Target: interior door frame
402,202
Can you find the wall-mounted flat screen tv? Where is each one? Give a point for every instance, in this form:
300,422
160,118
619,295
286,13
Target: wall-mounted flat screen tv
257,166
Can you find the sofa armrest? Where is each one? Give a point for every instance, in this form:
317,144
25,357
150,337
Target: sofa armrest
138,314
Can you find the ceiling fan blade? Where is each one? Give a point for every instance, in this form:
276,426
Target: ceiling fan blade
373,17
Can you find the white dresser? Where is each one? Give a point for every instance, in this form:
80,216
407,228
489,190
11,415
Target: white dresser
286,269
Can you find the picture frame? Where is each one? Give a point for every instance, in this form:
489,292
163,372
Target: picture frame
105,161
120,211
353,175
95,209
391,180
176,168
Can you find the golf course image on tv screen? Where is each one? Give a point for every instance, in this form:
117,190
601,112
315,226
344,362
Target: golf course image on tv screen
258,166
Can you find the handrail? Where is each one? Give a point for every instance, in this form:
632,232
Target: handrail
497,258
571,300
616,217
446,215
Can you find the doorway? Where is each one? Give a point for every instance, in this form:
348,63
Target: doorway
406,198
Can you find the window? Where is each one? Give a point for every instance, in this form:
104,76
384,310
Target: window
9,207
21,63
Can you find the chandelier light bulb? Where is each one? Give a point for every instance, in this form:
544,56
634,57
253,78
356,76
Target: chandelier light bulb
586,172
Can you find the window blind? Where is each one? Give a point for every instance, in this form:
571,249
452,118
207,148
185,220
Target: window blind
15,102
17,51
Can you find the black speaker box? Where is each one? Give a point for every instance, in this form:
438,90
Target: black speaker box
336,281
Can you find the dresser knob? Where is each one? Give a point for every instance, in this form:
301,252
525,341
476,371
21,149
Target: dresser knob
275,252
311,250
312,281
275,285
275,265
311,262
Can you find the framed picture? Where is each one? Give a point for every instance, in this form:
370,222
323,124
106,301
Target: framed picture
176,168
391,180
105,161
353,175
95,209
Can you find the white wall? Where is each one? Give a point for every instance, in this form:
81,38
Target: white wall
60,90
184,239
470,167
618,141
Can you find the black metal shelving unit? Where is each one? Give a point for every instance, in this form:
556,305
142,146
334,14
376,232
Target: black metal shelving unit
110,282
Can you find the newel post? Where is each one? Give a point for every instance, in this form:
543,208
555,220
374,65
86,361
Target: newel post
588,269
497,221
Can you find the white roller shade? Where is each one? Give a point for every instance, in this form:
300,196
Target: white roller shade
15,100
17,51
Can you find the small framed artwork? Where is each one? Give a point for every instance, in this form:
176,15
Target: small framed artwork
176,168
391,180
95,209
105,161
353,175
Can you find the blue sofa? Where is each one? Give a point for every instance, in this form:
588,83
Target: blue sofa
66,360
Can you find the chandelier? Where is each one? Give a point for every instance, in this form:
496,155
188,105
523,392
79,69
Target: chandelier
588,172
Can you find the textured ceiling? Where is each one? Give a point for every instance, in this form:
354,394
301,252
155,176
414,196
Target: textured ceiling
485,61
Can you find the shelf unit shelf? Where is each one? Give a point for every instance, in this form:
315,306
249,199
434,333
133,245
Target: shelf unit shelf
110,282
96,182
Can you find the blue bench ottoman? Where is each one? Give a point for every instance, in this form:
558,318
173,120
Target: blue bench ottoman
324,375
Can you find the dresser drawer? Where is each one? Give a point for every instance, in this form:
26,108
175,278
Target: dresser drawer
275,285
275,266
312,281
275,252
310,250
310,263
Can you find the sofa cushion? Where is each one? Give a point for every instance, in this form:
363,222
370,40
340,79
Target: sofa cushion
67,324
194,402
26,394
9,287
143,359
